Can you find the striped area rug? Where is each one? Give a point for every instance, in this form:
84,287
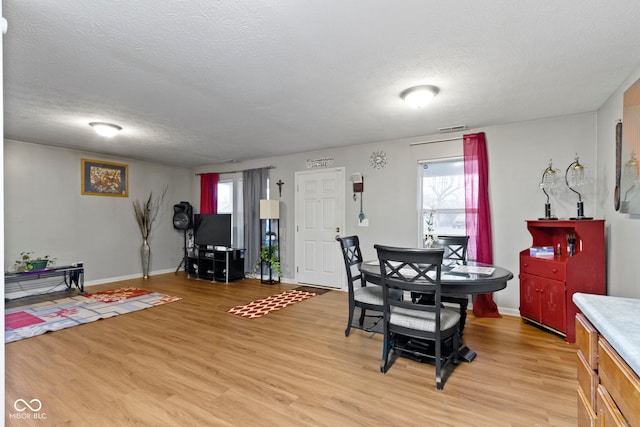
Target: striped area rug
264,306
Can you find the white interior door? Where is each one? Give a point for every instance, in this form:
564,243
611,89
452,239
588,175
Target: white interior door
319,219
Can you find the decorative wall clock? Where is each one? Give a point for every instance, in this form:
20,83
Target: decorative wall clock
378,159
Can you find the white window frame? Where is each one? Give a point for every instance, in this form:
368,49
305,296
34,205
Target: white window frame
439,211
237,220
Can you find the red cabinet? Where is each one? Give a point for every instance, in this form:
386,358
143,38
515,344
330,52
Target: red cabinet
547,285
544,300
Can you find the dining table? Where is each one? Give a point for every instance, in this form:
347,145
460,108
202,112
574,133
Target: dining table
466,278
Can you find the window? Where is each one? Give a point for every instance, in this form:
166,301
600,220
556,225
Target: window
230,201
442,192
225,197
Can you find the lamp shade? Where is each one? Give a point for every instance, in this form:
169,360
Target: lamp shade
269,209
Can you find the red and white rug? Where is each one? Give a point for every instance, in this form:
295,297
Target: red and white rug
265,306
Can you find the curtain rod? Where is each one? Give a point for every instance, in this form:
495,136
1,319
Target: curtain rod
238,171
437,140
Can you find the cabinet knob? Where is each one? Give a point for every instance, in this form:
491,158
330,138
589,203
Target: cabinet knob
554,270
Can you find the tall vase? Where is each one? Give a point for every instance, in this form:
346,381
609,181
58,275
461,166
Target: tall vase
145,254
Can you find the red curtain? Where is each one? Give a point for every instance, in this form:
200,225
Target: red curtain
478,213
209,193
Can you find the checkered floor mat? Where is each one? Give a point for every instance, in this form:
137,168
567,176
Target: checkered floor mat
265,306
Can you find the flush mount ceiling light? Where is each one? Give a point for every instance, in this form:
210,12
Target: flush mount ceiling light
419,96
105,129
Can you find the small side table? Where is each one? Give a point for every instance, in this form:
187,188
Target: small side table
71,275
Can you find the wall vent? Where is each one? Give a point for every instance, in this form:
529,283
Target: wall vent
452,128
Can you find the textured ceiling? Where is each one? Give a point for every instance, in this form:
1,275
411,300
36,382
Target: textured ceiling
202,82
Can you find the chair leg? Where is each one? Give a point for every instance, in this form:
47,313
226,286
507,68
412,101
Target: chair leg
349,320
362,315
386,347
438,356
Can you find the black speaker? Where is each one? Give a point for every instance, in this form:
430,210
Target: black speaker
183,216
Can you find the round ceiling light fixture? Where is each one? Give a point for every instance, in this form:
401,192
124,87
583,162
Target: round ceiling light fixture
419,96
105,129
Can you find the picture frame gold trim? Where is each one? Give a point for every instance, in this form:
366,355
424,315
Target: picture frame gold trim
100,178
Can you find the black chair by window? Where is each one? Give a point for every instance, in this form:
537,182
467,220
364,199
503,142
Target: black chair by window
409,326
455,248
360,295
455,252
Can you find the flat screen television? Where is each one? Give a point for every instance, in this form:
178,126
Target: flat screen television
212,229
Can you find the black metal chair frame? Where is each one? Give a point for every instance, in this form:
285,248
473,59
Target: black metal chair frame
352,255
416,270
455,247
455,251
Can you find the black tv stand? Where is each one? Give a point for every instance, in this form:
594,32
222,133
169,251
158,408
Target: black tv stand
216,263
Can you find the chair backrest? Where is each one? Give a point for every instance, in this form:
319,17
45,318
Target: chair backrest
352,256
455,247
411,270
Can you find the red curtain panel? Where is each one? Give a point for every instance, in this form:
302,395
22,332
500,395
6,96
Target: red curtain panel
478,213
209,193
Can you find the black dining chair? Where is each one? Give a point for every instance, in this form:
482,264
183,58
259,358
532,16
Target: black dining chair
455,248
409,326
360,295
455,252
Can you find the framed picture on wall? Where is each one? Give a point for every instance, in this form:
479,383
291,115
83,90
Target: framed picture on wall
104,178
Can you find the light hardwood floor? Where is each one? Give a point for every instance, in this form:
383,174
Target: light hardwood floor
189,363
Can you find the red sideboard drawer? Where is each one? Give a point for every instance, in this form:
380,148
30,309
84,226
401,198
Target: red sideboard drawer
543,268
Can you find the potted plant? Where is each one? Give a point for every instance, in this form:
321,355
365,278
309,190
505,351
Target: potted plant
27,262
269,255
430,238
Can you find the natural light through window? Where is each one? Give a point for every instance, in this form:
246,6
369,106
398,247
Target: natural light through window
225,197
441,197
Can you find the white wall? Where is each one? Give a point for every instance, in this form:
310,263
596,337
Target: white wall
518,154
623,231
45,213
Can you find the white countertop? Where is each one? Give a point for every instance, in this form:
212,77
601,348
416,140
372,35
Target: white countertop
618,321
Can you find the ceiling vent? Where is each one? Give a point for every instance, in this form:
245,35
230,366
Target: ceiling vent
452,128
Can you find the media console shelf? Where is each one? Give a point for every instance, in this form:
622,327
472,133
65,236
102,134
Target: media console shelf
547,285
216,263
24,281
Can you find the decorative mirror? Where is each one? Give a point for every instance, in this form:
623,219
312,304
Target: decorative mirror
627,151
